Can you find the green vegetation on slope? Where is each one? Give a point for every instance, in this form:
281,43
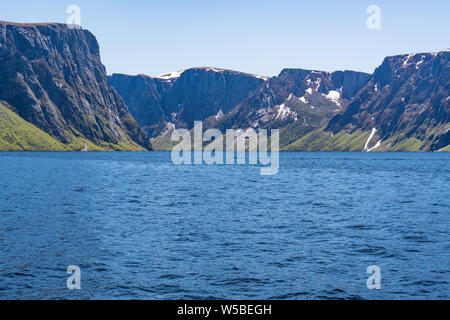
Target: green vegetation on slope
320,140
16,134
404,141
163,142
78,142
419,140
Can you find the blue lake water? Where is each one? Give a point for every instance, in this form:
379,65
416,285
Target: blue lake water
140,227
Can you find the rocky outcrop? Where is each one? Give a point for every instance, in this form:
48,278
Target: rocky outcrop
183,97
317,91
406,99
296,102
53,77
144,98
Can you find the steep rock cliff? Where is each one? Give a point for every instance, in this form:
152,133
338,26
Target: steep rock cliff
52,77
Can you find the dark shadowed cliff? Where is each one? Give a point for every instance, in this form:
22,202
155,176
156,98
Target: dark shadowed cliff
53,77
407,102
180,98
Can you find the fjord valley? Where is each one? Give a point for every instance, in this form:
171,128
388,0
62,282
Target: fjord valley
55,95
362,183
403,106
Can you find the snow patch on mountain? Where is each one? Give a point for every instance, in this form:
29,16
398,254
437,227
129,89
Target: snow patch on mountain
334,96
377,145
366,146
261,77
171,75
219,115
406,62
292,96
318,82
284,112
214,69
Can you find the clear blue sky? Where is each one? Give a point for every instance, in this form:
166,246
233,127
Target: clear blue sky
262,37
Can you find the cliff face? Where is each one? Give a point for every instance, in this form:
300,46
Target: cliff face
406,101
203,92
18,135
296,102
183,97
53,77
324,91
144,97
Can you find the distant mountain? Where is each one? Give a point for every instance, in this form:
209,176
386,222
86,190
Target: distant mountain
180,98
144,98
52,77
297,102
55,95
404,107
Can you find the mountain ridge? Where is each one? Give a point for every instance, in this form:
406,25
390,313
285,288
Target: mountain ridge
324,99
183,97
52,77
407,99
